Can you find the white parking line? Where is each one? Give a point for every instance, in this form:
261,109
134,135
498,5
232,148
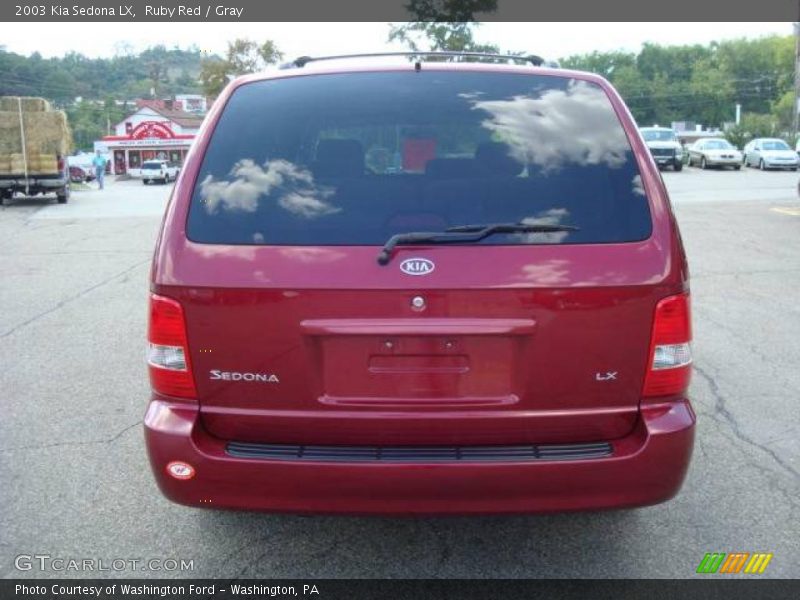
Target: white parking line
794,212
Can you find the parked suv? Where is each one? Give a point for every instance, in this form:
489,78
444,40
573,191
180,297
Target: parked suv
415,288
664,145
159,170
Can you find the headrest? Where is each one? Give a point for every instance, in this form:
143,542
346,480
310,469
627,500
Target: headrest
494,160
339,158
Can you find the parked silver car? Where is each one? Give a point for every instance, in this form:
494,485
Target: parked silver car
770,153
714,152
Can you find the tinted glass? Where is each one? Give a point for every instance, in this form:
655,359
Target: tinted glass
717,145
659,135
351,159
775,145
152,165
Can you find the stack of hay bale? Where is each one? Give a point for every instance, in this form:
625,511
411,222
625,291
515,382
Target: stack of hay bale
46,136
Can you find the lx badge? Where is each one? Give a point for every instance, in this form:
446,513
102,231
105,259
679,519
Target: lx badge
607,377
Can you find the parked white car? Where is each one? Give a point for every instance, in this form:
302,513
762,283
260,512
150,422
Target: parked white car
159,170
714,152
770,153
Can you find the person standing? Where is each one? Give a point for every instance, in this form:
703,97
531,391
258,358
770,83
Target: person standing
99,163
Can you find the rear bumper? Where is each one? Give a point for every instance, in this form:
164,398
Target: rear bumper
646,467
781,164
33,182
723,162
667,160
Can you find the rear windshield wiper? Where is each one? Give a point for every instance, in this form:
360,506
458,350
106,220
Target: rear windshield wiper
464,233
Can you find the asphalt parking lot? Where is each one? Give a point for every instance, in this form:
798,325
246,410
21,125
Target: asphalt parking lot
74,387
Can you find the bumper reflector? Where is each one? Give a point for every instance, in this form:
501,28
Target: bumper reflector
180,470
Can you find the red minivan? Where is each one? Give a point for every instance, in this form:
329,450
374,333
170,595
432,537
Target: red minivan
419,287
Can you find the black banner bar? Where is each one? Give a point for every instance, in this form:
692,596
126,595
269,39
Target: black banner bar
705,587
394,10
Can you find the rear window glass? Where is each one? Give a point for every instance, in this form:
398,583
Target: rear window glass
152,165
717,145
352,159
659,135
775,145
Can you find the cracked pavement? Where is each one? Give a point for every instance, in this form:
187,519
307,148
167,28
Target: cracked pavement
74,387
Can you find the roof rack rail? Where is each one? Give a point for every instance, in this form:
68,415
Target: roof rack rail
537,61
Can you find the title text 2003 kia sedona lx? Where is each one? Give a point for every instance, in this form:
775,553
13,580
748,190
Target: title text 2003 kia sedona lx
419,287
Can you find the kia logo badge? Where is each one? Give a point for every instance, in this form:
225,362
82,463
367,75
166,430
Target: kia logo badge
417,266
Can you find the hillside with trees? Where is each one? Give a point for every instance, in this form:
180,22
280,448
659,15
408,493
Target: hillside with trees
97,93
94,91
123,76
703,84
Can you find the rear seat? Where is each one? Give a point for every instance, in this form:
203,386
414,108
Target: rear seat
494,159
451,168
338,159
455,191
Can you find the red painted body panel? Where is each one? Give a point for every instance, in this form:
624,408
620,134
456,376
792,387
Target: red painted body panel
536,384
648,466
506,351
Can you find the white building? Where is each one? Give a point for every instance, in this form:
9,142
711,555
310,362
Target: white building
149,133
193,103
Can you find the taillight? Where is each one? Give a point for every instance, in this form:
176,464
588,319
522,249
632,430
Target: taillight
168,350
61,164
670,366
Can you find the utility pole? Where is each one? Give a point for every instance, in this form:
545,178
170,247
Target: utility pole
796,105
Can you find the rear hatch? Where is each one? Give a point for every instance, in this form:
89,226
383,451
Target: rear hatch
298,335
152,169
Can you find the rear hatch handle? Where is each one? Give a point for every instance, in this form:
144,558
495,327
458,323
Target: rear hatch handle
405,326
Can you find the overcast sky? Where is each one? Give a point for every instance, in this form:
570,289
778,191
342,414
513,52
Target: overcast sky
551,40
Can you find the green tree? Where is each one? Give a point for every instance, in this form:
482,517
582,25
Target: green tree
783,111
671,62
759,70
751,126
242,56
700,83
186,82
439,36
61,79
606,64
88,122
449,10
214,75
636,92
712,100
